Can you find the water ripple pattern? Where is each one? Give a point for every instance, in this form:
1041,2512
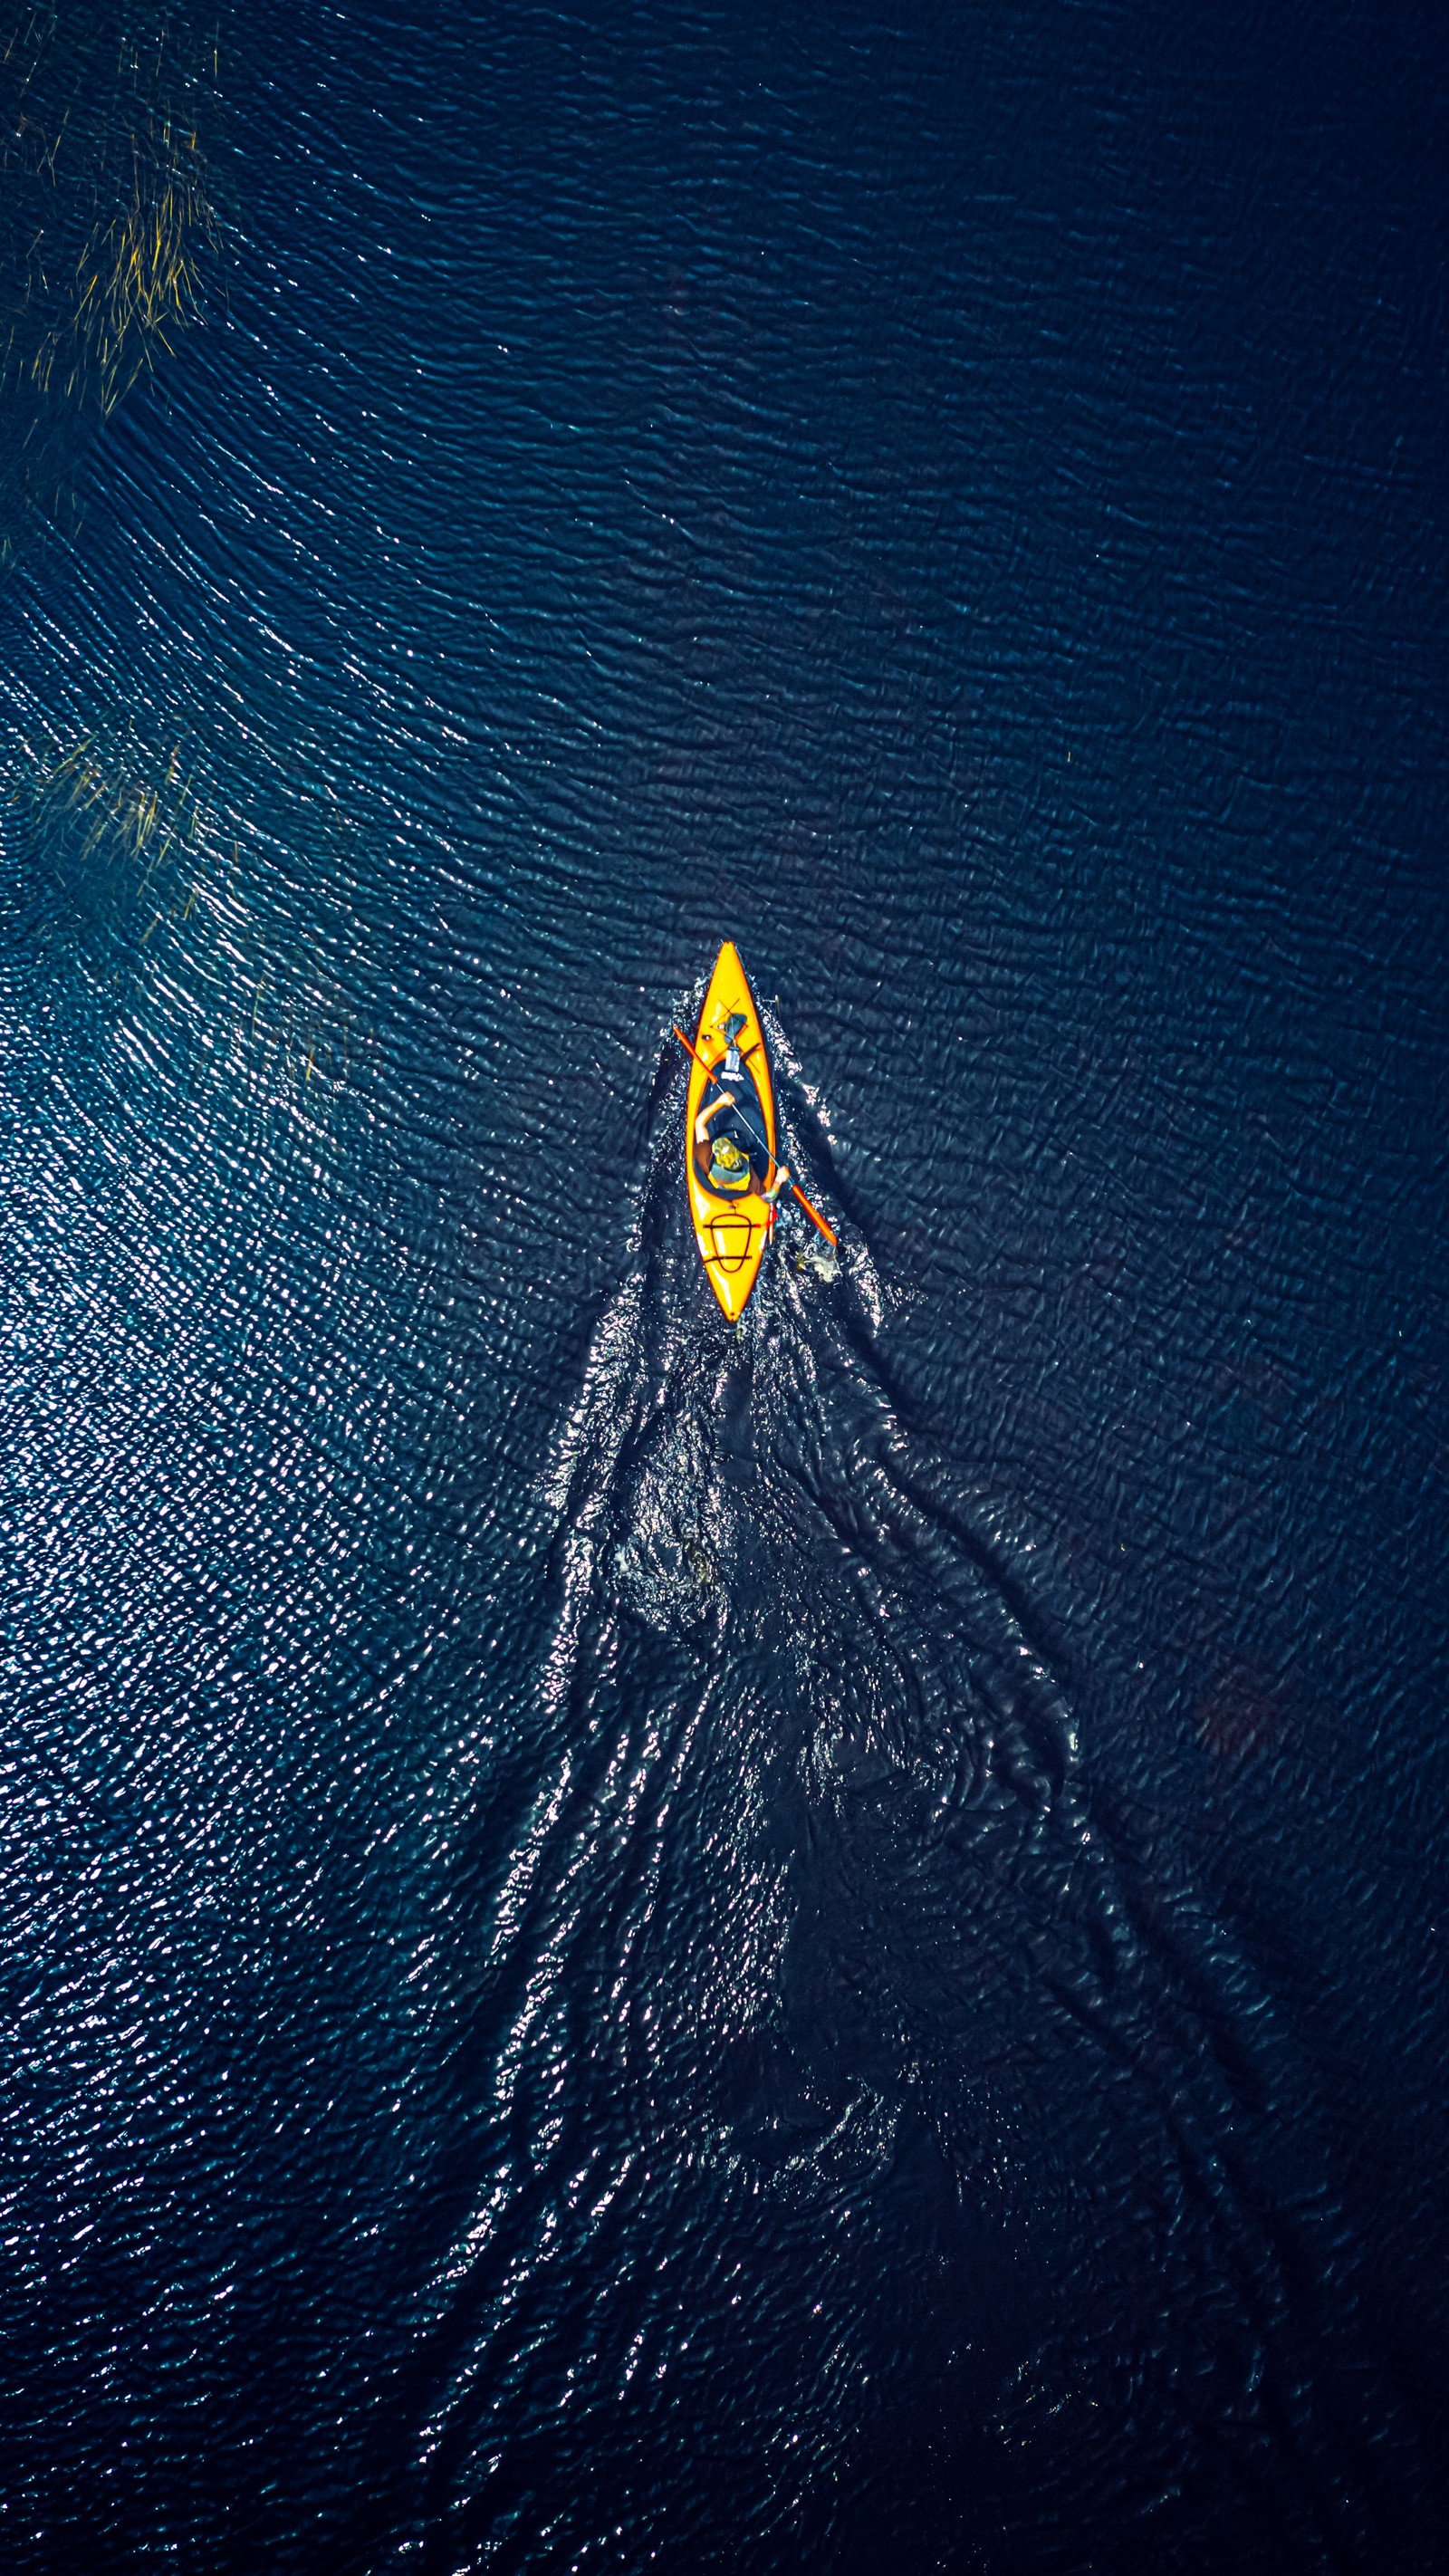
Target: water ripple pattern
629,1944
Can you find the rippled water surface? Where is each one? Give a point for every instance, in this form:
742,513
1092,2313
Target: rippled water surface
630,1946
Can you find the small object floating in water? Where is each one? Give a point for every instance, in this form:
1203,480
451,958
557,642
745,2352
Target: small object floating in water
820,1259
733,1178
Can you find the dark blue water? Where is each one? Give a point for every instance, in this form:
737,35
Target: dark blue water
625,1947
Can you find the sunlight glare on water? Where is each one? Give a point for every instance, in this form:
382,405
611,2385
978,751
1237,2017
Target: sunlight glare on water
631,1944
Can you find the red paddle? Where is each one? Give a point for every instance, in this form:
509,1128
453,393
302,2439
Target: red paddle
813,1213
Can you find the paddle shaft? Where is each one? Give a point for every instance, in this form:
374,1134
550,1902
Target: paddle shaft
813,1213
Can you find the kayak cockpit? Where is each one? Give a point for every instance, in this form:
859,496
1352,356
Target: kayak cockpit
744,1122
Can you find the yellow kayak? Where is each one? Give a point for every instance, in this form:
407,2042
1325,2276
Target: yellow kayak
729,1135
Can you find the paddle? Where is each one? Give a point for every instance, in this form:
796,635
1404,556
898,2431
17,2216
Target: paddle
753,1131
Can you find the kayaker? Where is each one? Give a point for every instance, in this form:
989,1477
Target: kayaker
702,1135
729,1170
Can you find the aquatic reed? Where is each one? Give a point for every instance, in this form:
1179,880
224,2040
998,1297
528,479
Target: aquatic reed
138,280
108,218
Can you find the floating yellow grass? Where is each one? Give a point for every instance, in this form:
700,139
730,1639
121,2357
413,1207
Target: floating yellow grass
107,219
138,283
